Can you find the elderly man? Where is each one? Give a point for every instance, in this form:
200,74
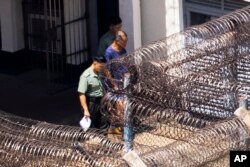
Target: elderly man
116,71
117,48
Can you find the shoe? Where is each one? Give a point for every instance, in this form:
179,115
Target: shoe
116,131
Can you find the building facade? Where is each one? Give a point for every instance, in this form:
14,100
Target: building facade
154,20
144,20
65,33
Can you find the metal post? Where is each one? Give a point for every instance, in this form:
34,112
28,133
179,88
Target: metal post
239,112
47,37
230,77
243,102
127,135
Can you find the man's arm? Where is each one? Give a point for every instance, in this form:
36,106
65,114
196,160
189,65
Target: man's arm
109,77
84,105
82,89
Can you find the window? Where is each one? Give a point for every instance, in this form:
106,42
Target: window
198,12
221,4
199,18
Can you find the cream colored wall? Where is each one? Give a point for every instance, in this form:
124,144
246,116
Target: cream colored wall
153,20
174,16
146,21
131,20
160,18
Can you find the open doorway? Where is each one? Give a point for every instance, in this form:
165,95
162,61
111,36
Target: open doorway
0,36
106,9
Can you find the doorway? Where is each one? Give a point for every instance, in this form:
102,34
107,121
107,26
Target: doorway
56,35
0,36
106,9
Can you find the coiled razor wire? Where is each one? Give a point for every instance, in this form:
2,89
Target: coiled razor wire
184,83
50,143
182,93
201,147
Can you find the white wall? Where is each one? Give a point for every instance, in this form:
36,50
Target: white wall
174,16
146,21
160,18
131,20
153,20
11,25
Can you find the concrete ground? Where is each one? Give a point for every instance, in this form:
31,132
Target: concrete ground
26,95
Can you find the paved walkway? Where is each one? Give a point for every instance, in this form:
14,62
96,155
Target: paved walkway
25,95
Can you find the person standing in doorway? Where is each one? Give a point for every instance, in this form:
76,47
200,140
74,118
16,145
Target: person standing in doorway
115,73
115,24
117,48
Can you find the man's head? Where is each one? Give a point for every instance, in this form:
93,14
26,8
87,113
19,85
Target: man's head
121,38
115,24
98,63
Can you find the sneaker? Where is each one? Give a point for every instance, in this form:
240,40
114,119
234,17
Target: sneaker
116,131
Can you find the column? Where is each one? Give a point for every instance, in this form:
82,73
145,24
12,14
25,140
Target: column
130,14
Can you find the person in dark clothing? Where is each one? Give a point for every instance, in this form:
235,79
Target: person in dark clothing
115,24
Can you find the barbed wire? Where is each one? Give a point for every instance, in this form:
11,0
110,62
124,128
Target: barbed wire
63,144
182,93
203,146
